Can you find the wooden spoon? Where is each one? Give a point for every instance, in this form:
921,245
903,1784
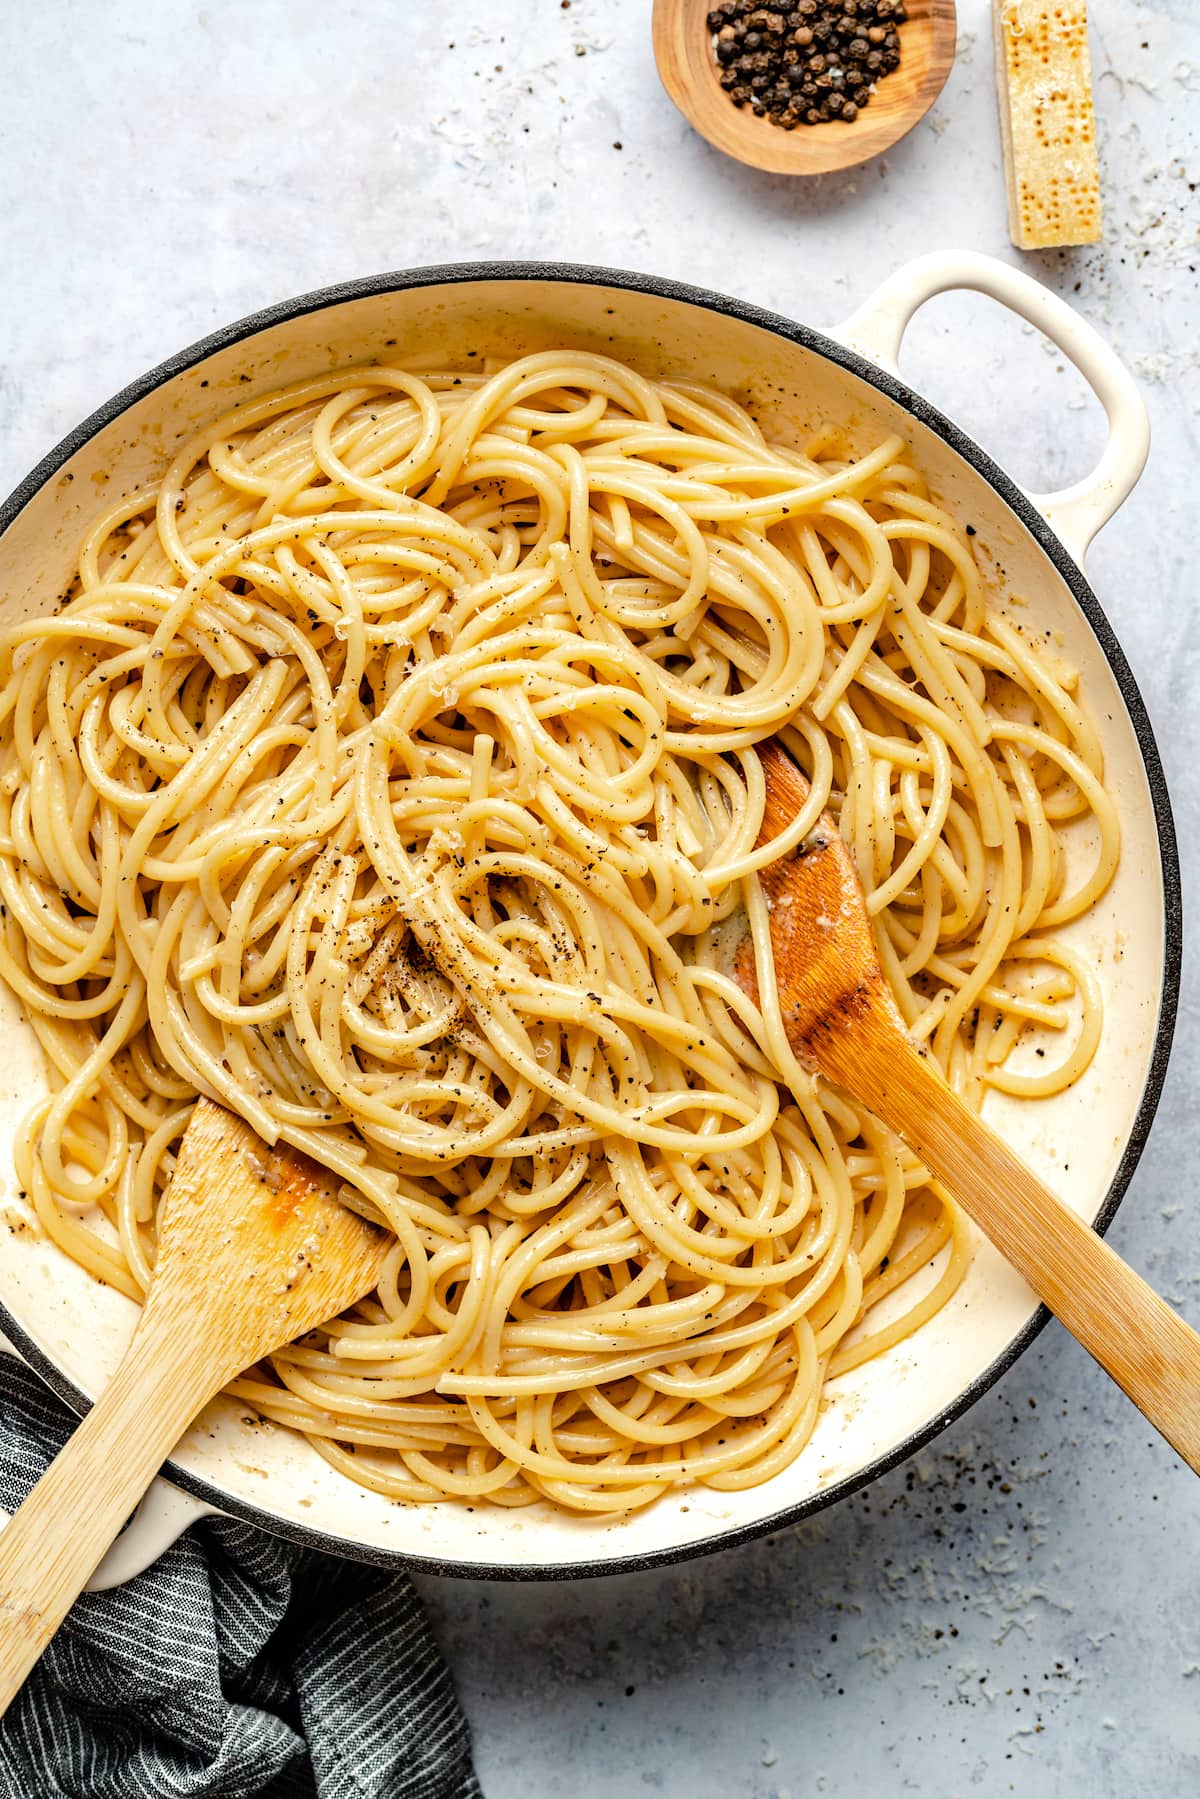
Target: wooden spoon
688,70
842,1022
254,1250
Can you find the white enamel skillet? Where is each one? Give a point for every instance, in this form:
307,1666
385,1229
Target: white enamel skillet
1085,1143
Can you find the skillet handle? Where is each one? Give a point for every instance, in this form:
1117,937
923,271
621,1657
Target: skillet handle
160,1520
162,1517
1074,513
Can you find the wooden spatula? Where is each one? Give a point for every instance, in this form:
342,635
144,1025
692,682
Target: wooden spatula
842,1022
254,1250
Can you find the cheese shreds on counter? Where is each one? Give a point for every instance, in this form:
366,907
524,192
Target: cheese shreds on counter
1047,126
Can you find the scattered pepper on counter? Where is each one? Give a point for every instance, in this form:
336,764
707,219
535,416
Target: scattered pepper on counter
808,62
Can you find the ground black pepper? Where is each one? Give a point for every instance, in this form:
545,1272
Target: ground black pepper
808,62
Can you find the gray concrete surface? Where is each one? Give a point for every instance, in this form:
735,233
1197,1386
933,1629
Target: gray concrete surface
1018,1609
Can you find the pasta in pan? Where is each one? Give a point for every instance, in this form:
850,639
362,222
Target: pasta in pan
389,774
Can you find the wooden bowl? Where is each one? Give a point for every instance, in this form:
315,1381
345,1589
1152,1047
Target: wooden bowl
688,70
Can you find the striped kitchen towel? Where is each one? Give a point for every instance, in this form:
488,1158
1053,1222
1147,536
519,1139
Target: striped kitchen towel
238,1667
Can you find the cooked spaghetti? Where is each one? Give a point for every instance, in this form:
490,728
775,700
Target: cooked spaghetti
389,774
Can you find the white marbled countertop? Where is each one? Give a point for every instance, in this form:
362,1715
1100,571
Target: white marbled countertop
1018,1608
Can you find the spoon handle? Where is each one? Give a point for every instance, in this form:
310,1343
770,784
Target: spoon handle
1147,1348
76,1510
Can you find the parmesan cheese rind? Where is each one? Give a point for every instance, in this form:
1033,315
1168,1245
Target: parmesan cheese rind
1047,123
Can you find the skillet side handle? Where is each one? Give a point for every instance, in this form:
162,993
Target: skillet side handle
1074,513
161,1518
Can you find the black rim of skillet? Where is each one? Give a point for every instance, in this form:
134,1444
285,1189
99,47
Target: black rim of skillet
573,274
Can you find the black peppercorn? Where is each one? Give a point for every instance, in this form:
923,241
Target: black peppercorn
804,61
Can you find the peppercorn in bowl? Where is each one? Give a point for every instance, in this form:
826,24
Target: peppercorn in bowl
818,61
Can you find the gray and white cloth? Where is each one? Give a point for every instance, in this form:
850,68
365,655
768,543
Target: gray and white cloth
237,1667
